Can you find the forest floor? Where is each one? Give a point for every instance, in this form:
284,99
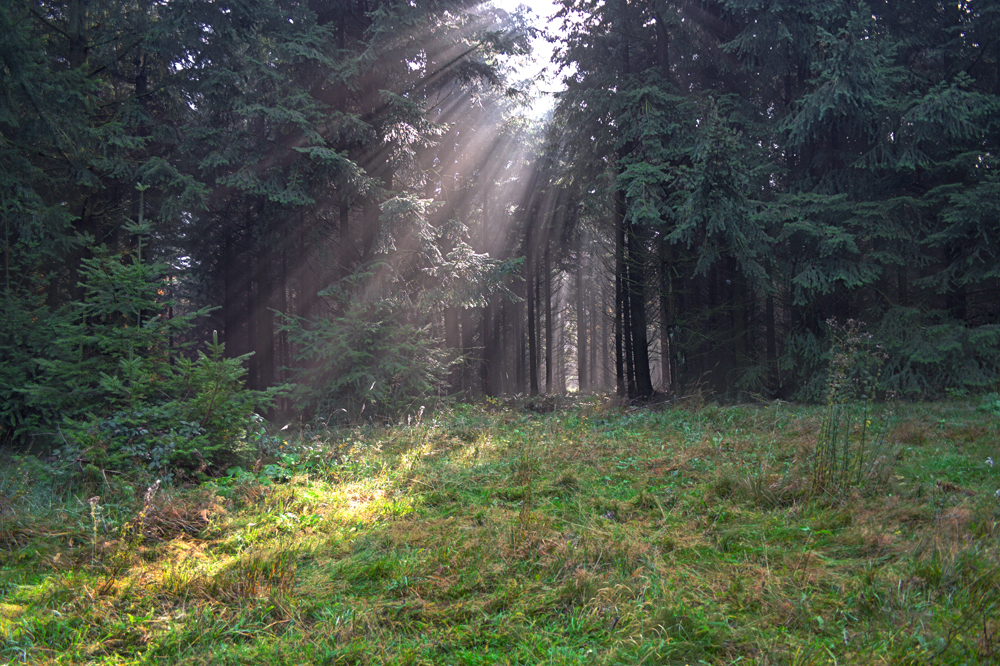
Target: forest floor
494,534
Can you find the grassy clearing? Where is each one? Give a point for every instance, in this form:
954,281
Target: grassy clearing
588,535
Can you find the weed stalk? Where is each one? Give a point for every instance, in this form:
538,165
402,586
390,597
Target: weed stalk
852,451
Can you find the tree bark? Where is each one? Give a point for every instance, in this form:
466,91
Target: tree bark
668,309
453,341
264,319
620,379
637,306
470,353
532,336
549,346
581,318
345,240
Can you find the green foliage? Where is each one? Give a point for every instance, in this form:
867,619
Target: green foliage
103,381
853,449
990,404
203,419
364,361
929,353
717,213
926,355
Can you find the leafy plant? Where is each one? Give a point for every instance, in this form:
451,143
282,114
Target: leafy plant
853,450
929,353
990,404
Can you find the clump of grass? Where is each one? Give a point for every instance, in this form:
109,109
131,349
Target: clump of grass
853,449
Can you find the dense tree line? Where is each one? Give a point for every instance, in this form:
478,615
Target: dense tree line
764,167
299,177
351,194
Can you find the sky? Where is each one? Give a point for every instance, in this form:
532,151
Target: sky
540,62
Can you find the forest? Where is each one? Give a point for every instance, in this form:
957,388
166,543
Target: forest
355,199
447,332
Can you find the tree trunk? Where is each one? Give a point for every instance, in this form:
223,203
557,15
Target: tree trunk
549,346
264,346
637,307
620,309
345,239
596,315
532,336
773,376
740,297
232,305
488,347
453,341
373,212
281,305
470,353
605,357
667,316
76,32
627,340
581,320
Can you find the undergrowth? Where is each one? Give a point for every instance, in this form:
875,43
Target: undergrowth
588,534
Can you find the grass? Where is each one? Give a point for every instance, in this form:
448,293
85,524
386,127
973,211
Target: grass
591,534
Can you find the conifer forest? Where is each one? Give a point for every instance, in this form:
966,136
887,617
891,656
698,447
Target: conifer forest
343,210
459,333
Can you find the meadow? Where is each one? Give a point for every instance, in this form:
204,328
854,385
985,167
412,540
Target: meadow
560,531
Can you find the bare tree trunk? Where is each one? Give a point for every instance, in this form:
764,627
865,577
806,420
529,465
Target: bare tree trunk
488,348
667,314
453,341
264,345
637,307
581,319
560,344
532,335
281,305
605,357
547,291
740,297
470,353
773,376
596,379
233,307
620,309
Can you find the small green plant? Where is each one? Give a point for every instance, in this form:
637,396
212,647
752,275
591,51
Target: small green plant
201,419
990,404
853,450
